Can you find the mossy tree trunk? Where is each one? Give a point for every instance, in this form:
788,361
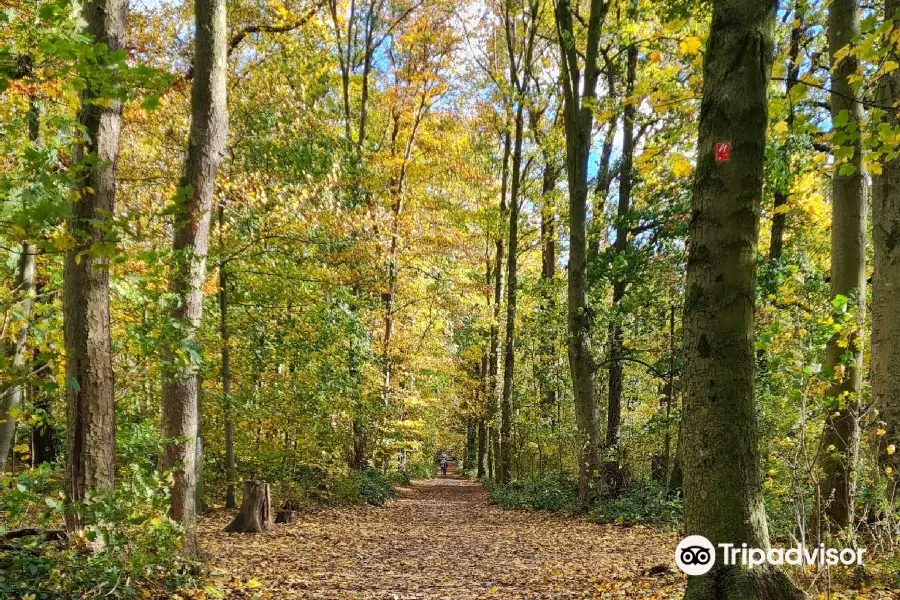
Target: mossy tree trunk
722,487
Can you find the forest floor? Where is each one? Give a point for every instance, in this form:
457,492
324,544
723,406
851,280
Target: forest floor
442,540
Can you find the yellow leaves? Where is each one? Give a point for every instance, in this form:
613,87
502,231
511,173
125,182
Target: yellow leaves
690,45
880,432
888,67
655,57
888,470
253,584
874,167
891,449
681,167
781,128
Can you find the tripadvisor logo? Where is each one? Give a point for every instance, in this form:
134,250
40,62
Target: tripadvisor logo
695,555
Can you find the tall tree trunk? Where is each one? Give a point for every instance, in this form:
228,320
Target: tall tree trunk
206,145
90,409
200,495
723,495
397,194
579,120
471,438
670,394
11,397
616,342
509,350
548,275
886,280
225,341
494,357
840,437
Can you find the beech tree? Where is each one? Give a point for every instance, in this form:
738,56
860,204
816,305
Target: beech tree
579,85
722,488
206,144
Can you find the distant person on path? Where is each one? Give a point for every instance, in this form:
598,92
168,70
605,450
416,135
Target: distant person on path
443,466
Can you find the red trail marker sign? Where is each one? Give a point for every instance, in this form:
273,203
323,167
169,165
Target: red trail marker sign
723,152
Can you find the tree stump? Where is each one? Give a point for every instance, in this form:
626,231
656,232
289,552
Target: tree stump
255,515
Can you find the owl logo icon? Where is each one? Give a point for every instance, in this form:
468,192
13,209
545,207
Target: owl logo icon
695,555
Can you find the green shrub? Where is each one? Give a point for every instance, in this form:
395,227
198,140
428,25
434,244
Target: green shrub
129,545
364,487
421,470
639,503
555,492
398,477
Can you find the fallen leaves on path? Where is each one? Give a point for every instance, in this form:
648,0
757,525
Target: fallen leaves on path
441,540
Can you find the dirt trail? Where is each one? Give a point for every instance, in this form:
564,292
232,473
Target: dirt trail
441,539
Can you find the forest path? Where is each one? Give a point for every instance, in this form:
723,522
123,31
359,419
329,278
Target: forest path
441,539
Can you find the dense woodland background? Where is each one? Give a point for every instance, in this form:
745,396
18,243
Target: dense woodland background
322,243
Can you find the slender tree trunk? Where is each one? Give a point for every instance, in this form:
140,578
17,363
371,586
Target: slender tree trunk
11,397
779,216
43,437
509,350
886,280
90,409
200,495
225,341
840,437
579,120
616,342
548,275
494,357
471,438
670,393
482,421
206,145
723,493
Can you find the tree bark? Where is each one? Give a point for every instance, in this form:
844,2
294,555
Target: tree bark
509,349
840,437
779,217
620,247
497,271
11,397
886,278
225,340
206,145
548,275
471,435
482,421
90,409
255,515
579,118
723,496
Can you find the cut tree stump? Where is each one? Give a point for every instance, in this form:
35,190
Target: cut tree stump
255,515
